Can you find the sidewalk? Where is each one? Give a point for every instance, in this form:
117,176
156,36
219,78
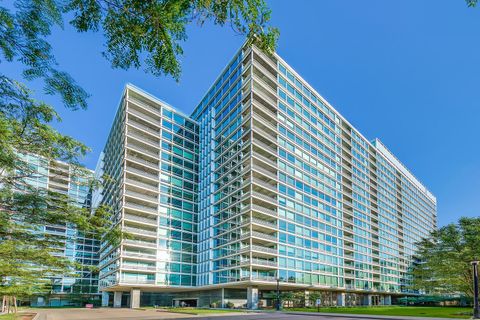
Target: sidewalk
362,316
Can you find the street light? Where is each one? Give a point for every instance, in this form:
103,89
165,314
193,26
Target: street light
476,308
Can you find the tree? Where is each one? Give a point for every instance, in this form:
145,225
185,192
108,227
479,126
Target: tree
137,33
472,3
444,259
313,297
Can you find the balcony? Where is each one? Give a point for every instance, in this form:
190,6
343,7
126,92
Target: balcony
138,125
138,255
139,267
143,138
261,197
264,134
137,183
143,116
139,243
259,235
268,161
260,209
263,184
150,164
143,173
259,262
144,105
141,196
137,281
135,218
142,232
264,146
140,207
262,249
142,150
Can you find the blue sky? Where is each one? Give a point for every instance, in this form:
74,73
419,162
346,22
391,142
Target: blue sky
406,72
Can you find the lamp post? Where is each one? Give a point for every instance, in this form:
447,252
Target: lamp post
278,294
476,308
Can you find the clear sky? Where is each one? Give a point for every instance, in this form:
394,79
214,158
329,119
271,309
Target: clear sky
406,72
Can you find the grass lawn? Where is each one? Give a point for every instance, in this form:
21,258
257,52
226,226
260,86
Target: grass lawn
200,311
19,316
439,312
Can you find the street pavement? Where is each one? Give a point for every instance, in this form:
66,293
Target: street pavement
131,314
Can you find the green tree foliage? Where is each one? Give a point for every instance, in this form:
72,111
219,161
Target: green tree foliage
445,258
157,27
472,3
137,33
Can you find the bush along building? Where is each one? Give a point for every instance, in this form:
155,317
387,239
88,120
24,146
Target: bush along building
264,182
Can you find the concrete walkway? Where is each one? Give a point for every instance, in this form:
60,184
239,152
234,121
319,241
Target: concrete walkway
104,314
363,316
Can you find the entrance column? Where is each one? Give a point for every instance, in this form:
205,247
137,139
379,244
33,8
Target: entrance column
222,305
307,298
341,299
252,297
135,298
104,299
117,299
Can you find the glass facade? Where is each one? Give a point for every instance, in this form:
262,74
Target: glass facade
151,159
264,181
82,249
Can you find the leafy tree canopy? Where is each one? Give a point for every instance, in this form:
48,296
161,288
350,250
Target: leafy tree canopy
137,33
471,3
445,258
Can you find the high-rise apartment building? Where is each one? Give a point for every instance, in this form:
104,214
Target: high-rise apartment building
264,182
82,249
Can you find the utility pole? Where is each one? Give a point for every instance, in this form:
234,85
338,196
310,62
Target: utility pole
278,294
476,308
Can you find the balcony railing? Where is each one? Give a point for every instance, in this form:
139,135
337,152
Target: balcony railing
264,134
143,173
140,243
265,146
260,262
149,164
143,127
140,207
142,150
140,219
138,255
269,161
144,105
263,197
141,184
140,231
143,116
143,138
138,267
141,196
263,249
264,184
260,235
260,278
137,281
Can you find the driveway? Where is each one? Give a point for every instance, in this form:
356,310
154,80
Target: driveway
105,314
131,314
